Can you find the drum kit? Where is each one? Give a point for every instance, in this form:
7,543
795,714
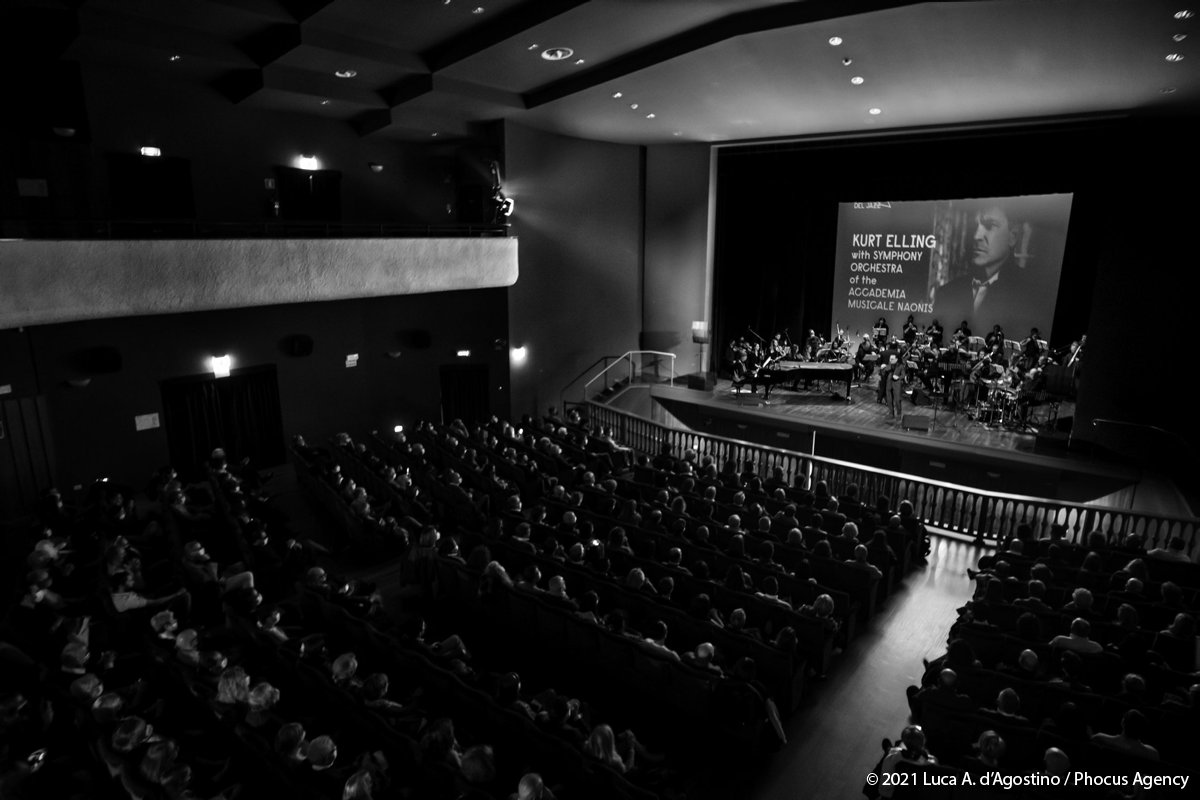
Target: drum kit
996,405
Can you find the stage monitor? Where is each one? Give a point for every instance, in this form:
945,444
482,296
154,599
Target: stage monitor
987,261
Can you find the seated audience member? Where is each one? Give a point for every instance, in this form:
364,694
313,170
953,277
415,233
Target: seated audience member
704,657
1035,598
860,561
1008,708
911,750
1174,551
821,608
1067,722
532,787
1081,604
1129,740
1078,640
656,640
1176,644
943,695
770,592
602,746
988,751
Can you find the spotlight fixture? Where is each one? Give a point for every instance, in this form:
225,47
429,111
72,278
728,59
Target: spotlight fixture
519,354
345,73
463,353
175,58
835,40
650,115
557,53
1167,90
1175,58
677,133
532,47
857,80
874,112
150,152
578,61
1179,37
477,10
398,429
847,61
1184,13
617,95
435,134
325,102
633,106
308,162
375,166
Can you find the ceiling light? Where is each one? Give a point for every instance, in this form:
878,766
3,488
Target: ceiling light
874,112
857,80
650,115
1184,14
617,95
1175,58
633,106
519,354
64,131
477,10
847,61
578,61
375,166
557,53
532,47
1179,37
435,133
308,162
220,366
677,133
835,40
152,152
324,102
463,353
175,58
1167,90
346,73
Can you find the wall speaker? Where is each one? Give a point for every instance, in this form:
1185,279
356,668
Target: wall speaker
914,422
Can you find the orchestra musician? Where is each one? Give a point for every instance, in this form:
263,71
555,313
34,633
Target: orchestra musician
1031,347
996,337
1033,382
910,330
895,349
812,345
935,333
864,363
891,376
881,332
961,335
777,348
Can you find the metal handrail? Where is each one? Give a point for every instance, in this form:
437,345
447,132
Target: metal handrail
582,374
629,355
985,515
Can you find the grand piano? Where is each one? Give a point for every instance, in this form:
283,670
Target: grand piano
783,373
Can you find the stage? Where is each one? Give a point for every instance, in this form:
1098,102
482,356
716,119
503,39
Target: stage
954,449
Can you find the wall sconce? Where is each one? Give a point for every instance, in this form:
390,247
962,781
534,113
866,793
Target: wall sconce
308,162
519,354
151,152
220,365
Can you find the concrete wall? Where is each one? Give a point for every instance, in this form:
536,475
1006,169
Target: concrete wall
578,214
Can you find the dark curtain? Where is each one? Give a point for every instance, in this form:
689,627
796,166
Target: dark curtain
465,392
239,414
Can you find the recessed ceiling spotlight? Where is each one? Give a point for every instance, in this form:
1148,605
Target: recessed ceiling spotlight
650,115
477,10
435,133
857,80
557,53
375,166
874,112
1167,90
325,102
175,58
345,73
1175,58
633,106
847,61
677,133
578,61
1179,37
835,40
532,47
1184,13
617,95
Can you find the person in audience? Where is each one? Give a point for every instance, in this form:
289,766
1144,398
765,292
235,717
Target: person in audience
125,598
1129,740
1176,644
1174,551
532,787
701,608
589,604
1079,639
1028,667
739,623
1008,708
860,562
704,657
988,751
770,592
1070,672
821,609
439,745
1067,722
656,640
911,750
1081,604
942,696
602,745
636,581
666,589
1035,598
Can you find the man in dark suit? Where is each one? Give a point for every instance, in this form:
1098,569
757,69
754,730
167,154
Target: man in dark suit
892,376
996,285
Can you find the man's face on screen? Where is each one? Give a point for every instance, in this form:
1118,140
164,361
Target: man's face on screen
994,239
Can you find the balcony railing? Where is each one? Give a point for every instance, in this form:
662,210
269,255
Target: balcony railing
206,229
986,516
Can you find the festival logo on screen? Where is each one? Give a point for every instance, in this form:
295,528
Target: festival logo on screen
981,261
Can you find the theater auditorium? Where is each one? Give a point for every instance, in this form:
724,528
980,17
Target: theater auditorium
468,399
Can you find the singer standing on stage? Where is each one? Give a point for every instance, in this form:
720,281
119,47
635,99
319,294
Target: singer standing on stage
893,375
